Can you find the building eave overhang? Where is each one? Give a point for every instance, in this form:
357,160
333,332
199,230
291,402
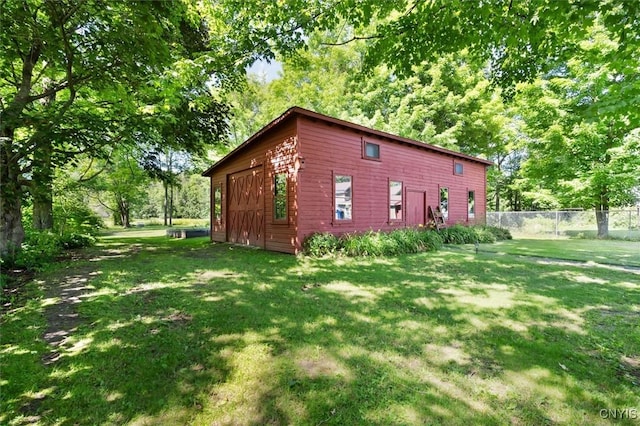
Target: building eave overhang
301,112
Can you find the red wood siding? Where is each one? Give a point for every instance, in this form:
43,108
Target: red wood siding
275,152
329,149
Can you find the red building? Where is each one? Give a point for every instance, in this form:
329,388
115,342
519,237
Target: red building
306,172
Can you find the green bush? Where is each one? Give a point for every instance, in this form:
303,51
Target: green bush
484,235
431,240
74,217
459,234
359,245
75,241
500,234
38,249
321,244
42,247
371,243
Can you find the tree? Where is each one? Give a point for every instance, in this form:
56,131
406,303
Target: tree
120,185
189,122
317,78
519,39
193,197
589,160
56,54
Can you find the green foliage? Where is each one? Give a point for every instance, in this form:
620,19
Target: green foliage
459,234
484,235
75,241
41,248
38,249
368,244
500,234
321,244
75,226
518,39
400,241
581,150
371,243
192,198
73,217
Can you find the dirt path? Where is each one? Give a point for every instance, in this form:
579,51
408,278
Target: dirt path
67,289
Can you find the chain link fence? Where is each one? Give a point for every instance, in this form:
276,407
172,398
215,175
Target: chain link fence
623,224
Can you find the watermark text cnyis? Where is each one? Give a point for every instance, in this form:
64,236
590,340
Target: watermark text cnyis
620,413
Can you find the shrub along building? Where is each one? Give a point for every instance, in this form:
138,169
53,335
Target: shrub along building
306,172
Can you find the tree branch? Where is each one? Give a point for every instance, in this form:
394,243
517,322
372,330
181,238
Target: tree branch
106,164
50,92
104,205
412,8
64,84
40,74
352,39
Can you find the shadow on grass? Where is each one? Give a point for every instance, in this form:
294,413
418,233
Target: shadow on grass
181,331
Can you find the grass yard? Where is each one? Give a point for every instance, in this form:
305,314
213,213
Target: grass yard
186,332
607,252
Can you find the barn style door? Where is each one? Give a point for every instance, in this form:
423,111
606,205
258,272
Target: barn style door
416,208
245,209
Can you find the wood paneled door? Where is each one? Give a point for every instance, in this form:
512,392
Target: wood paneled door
416,207
245,208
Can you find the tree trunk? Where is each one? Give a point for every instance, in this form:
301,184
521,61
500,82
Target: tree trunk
602,212
11,230
170,175
171,207
602,219
124,211
124,218
166,201
42,186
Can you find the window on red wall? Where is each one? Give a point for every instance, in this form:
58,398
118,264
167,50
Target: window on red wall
280,197
217,203
444,202
370,151
343,196
471,205
458,168
395,200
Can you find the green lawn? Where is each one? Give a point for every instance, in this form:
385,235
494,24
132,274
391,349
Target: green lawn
609,252
185,332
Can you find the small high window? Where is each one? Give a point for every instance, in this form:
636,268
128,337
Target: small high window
217,203
280,196
371,151
343,197
458,168
395,200
444,203
471,205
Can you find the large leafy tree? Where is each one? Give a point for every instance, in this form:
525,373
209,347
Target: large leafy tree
583,148
519,38
119,184
185,123
58,56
